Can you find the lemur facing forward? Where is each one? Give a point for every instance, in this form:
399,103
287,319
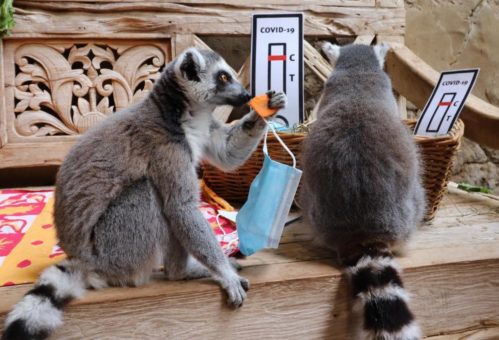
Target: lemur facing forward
362,188
127,193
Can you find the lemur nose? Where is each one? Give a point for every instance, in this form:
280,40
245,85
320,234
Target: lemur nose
245,96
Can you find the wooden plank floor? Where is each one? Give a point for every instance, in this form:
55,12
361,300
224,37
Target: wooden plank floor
451,269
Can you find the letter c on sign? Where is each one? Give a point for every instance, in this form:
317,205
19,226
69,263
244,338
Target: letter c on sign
292,57
456,103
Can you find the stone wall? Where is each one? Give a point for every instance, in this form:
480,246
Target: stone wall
461,34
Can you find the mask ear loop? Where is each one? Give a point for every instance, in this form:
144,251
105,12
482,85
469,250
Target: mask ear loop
265,150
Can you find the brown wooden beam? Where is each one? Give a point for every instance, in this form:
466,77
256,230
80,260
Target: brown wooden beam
153,19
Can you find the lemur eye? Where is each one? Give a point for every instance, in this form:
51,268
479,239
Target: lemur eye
223,77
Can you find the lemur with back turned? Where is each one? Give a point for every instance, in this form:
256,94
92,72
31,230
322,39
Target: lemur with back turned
127,193
362,188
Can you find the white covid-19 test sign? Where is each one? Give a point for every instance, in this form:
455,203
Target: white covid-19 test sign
446,102
277,61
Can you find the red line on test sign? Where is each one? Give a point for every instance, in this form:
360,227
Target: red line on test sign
444,104
276,57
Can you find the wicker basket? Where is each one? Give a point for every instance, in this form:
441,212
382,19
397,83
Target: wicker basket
437,154
234,186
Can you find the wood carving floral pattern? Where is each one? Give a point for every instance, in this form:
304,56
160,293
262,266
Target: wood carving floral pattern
63,89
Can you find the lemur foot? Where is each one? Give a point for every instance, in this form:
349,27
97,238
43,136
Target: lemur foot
277,100
193,270
196,272
233,262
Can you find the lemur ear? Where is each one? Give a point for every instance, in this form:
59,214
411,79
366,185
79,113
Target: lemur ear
190,64
331,51
381,50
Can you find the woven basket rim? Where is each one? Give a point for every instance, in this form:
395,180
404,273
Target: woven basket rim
287,135
452,137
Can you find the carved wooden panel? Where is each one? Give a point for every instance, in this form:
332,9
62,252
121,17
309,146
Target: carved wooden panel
69,64
57,89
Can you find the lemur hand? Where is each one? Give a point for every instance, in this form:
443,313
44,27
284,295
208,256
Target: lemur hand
235,286
277,100
264,108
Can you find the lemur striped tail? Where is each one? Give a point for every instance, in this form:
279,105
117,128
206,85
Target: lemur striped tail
380,308
40,310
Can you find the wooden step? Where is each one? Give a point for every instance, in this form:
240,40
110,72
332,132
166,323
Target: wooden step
474,334
297,292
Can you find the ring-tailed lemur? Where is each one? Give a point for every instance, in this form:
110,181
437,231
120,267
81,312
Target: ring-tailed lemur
362,187
127,193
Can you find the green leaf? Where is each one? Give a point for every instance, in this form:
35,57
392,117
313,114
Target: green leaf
473,188
6,17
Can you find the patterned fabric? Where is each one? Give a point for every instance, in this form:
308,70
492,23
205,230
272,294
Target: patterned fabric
27,235
28,242
225,230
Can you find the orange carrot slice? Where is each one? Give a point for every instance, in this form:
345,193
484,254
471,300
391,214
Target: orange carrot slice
261,105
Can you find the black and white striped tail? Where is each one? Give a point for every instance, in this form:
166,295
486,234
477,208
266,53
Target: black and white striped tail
40,310
380,303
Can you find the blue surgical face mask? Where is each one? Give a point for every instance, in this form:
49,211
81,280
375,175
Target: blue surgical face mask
261,220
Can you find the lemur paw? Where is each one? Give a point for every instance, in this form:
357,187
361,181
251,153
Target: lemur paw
236,287
277,100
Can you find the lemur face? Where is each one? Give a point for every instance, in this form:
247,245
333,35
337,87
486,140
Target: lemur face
206,78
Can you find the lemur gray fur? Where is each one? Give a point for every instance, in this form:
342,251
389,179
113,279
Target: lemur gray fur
362,188
127,193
